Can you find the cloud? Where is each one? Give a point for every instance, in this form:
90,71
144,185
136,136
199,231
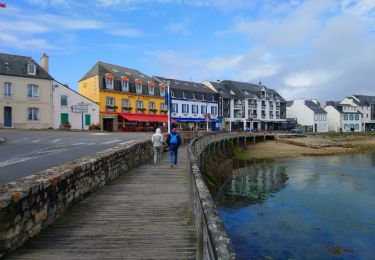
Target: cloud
127,32
181,27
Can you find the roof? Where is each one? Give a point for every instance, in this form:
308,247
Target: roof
249,90
101,68
222,89
365,100
186,85
66,86
314,107
15,65
336,105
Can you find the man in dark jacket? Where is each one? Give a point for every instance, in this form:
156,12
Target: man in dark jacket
173,141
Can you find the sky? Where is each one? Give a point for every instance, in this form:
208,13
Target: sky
322,49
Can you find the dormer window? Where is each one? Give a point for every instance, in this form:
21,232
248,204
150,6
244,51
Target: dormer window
151,87
108,81
203,96
125,84
183,94
162,89
138,86
194,96
31,70
172,93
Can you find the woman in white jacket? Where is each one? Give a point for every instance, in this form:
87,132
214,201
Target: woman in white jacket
157,141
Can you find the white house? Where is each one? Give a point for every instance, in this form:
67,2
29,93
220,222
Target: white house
366,105
309,115
63,100
343,116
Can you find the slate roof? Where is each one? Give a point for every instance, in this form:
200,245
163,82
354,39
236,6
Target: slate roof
15,65
336,105
314,107
249,90
365,100
101,68
222,89
186,85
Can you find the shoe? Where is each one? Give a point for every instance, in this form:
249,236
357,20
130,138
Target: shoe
171,165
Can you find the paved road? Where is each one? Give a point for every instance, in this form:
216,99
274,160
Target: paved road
27,152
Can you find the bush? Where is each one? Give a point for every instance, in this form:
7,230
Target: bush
95,127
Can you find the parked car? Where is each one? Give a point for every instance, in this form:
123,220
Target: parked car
297,130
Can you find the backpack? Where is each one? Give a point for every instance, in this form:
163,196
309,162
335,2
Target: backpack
173,139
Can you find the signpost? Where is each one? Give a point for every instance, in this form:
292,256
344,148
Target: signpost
208,117
81,108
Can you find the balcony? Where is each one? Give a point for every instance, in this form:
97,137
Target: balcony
237,106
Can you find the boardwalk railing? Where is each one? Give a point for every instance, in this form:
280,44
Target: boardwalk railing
212,239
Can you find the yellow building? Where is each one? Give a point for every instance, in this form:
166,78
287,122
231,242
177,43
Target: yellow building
128,99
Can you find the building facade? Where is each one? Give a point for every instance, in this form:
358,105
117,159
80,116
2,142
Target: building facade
248,106
64,98
366,105
26,98
343,117
128,99
309,115
194,105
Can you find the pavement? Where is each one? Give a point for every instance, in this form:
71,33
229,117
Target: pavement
27,152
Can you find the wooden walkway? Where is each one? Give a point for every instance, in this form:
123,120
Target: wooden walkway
143,214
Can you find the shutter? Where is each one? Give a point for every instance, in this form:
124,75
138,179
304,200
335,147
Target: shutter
87,119
64,118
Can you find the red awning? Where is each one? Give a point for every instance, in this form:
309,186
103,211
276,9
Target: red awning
144,118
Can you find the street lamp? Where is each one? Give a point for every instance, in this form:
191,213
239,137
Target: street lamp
169,105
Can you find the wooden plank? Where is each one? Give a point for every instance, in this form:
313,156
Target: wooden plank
142,214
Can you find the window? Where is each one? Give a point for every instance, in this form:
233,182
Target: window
356,117
213,110
194,95
7,89
213,97
151,105
203,96
64,101
125,86
31,70
185,108
138,88
162,107
183,94
351,117
357,126
125,103
162,92
172,93
194,109
316,117
345,117
33,114
32,91
110,101
174,107
139,104
203,110
151,90
109,83
64,118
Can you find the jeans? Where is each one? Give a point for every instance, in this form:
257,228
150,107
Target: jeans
173,156
157,154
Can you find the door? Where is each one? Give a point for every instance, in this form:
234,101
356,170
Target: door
7,117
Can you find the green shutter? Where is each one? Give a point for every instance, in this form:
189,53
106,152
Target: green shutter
87,119
64,118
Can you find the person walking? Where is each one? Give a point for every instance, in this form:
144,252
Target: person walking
157,142
173,141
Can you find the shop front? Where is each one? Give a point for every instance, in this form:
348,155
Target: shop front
128,122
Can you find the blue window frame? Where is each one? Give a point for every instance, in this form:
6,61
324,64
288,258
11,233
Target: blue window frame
185,108
203,109
194,109
356,117
213,110
351,117
174,108
345,117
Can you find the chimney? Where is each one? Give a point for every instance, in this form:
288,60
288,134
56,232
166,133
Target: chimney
44,62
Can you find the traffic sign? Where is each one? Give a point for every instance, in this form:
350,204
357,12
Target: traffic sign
80,109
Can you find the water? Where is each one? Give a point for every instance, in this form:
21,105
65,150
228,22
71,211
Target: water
303,208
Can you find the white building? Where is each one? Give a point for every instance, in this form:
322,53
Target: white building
249,106
309,115
366,105
343,116
63,100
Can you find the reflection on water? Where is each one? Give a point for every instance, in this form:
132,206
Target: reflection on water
302,208
253,184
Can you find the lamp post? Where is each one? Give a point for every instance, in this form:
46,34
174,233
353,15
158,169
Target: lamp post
169,105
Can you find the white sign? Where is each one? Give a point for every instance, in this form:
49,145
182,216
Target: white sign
80,109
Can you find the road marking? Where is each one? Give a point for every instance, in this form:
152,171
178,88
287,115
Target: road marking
37,141
21,140
128,142
101,134
56,141
112,141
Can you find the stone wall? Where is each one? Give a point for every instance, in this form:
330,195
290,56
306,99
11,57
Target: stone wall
34,202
